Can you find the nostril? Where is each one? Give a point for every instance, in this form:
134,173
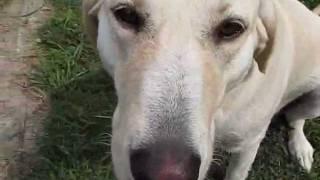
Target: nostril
165,162
139,160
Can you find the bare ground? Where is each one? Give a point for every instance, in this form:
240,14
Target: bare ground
21,106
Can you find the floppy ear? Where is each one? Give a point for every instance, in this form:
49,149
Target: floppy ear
98,31
90,10
266,32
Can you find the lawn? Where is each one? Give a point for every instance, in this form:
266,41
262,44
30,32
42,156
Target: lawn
76,141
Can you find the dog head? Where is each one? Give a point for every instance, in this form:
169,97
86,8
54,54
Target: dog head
173,62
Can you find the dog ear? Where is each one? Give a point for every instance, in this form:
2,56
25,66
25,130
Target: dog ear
265,28
90,10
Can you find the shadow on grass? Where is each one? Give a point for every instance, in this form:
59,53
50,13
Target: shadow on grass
274,161
75,144
76,140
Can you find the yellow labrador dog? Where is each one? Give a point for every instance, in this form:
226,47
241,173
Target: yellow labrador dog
195,75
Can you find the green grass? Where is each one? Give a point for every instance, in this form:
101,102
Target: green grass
75,145
311,3
76,140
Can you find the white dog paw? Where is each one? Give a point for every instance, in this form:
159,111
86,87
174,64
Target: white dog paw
300,148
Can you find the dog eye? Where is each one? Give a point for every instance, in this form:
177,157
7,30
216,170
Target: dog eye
128,17
230,29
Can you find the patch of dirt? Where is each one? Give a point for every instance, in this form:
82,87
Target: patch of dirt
21,106
3,3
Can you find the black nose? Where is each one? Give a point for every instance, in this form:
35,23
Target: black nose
165,161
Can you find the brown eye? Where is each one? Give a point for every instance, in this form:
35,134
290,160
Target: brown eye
128,17
231,29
